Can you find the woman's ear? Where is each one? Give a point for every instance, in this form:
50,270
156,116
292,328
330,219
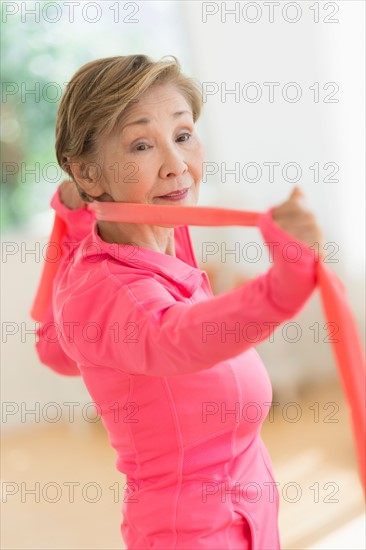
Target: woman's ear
87,176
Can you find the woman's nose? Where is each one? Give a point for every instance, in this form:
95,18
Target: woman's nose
172,162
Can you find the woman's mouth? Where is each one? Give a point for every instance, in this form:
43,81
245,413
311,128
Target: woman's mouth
176,195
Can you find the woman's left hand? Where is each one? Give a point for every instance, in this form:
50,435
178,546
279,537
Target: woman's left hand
297,220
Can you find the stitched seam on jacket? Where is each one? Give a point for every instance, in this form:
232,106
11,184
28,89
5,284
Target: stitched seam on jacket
181,456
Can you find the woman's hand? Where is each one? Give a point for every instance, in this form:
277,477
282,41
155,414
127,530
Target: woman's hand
69,195
297,221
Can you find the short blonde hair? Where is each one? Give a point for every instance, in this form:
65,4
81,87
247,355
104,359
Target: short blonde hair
100,92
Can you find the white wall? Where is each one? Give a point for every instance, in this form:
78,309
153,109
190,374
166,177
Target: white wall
305,132
27,384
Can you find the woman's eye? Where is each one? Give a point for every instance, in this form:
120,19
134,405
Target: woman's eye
141,145
186,134
145,146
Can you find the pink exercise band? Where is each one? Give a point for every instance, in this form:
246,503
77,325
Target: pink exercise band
346,344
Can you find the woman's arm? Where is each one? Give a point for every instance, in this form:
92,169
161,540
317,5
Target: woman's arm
49,351
68,205
142,329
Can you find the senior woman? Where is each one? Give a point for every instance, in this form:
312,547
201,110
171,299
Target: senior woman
183,406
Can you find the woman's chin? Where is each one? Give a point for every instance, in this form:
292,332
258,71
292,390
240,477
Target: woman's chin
190,200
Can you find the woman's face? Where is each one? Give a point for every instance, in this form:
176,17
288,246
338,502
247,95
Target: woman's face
156,156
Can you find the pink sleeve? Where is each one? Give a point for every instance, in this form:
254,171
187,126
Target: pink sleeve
78,222
140,328
49,350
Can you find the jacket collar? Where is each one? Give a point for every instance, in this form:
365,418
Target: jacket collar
181,269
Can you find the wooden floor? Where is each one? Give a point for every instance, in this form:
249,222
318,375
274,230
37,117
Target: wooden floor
313,459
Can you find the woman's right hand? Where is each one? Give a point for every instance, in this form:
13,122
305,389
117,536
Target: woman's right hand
293,218
69,195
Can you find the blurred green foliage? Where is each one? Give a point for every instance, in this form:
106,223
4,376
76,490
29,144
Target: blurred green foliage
38,57
29,106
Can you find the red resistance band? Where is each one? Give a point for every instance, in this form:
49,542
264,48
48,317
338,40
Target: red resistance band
347,348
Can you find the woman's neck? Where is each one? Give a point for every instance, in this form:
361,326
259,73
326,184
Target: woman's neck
156,238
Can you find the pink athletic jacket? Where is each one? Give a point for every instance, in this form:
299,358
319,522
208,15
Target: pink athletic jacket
174,375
